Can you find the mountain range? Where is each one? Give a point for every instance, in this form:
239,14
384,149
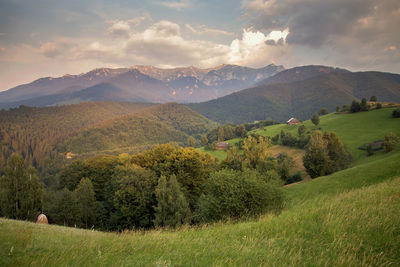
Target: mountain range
137,84
300,92
224,94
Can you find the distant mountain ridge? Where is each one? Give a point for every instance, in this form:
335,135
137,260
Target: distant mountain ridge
300,92
138,83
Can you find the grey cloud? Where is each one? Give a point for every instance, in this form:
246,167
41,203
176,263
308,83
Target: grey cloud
359,34
278,42
315,22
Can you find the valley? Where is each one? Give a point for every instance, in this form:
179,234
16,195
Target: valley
147,185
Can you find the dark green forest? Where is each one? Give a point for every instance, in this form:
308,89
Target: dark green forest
43,136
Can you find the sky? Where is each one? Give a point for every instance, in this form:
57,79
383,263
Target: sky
43,38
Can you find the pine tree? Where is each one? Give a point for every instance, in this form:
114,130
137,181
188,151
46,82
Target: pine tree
364,105
315,119
21,192
172,209
204,140
86,201
228,133
191,141
221,135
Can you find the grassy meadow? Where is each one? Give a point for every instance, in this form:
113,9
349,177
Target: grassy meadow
349,218
354,129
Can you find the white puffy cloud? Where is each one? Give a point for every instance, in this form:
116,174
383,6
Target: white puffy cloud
120,28
162,43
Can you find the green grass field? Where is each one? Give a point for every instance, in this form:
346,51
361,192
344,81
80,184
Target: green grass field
350,218
353,129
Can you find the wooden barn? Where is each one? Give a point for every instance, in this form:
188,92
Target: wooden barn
222,145
292,121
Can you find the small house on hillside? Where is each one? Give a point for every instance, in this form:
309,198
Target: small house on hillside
222,145
69,155
292,121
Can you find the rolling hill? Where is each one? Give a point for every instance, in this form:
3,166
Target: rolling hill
44,135
349,218
354,129
155,125
35,132
138,83
283,96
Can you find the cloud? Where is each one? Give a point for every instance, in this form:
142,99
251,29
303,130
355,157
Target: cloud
163,44
120,29
177,5
314,22
203,29
352,33
50,49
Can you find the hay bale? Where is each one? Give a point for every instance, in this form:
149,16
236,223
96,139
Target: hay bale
42,219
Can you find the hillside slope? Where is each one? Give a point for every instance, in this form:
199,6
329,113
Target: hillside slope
354,129
349,219
36,132
43,135
301,98
155,125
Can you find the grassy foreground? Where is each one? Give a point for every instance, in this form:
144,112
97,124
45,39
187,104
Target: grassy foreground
350,218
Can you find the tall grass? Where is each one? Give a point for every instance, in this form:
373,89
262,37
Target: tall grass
350,218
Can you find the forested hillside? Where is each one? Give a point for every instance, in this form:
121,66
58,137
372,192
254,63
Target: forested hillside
155,125
281,99
42,135
35,132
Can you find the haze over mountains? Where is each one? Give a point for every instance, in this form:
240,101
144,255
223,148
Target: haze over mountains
137,84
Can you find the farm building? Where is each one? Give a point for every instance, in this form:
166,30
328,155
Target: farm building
292,121
69,155
222,145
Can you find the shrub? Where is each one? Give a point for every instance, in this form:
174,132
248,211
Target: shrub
355,106
325,154
285,162
297,177
315,119
345,108
378,106
364,106
301,130
323,111
289,140
391,142
275,139
370,150
236,195
396,113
